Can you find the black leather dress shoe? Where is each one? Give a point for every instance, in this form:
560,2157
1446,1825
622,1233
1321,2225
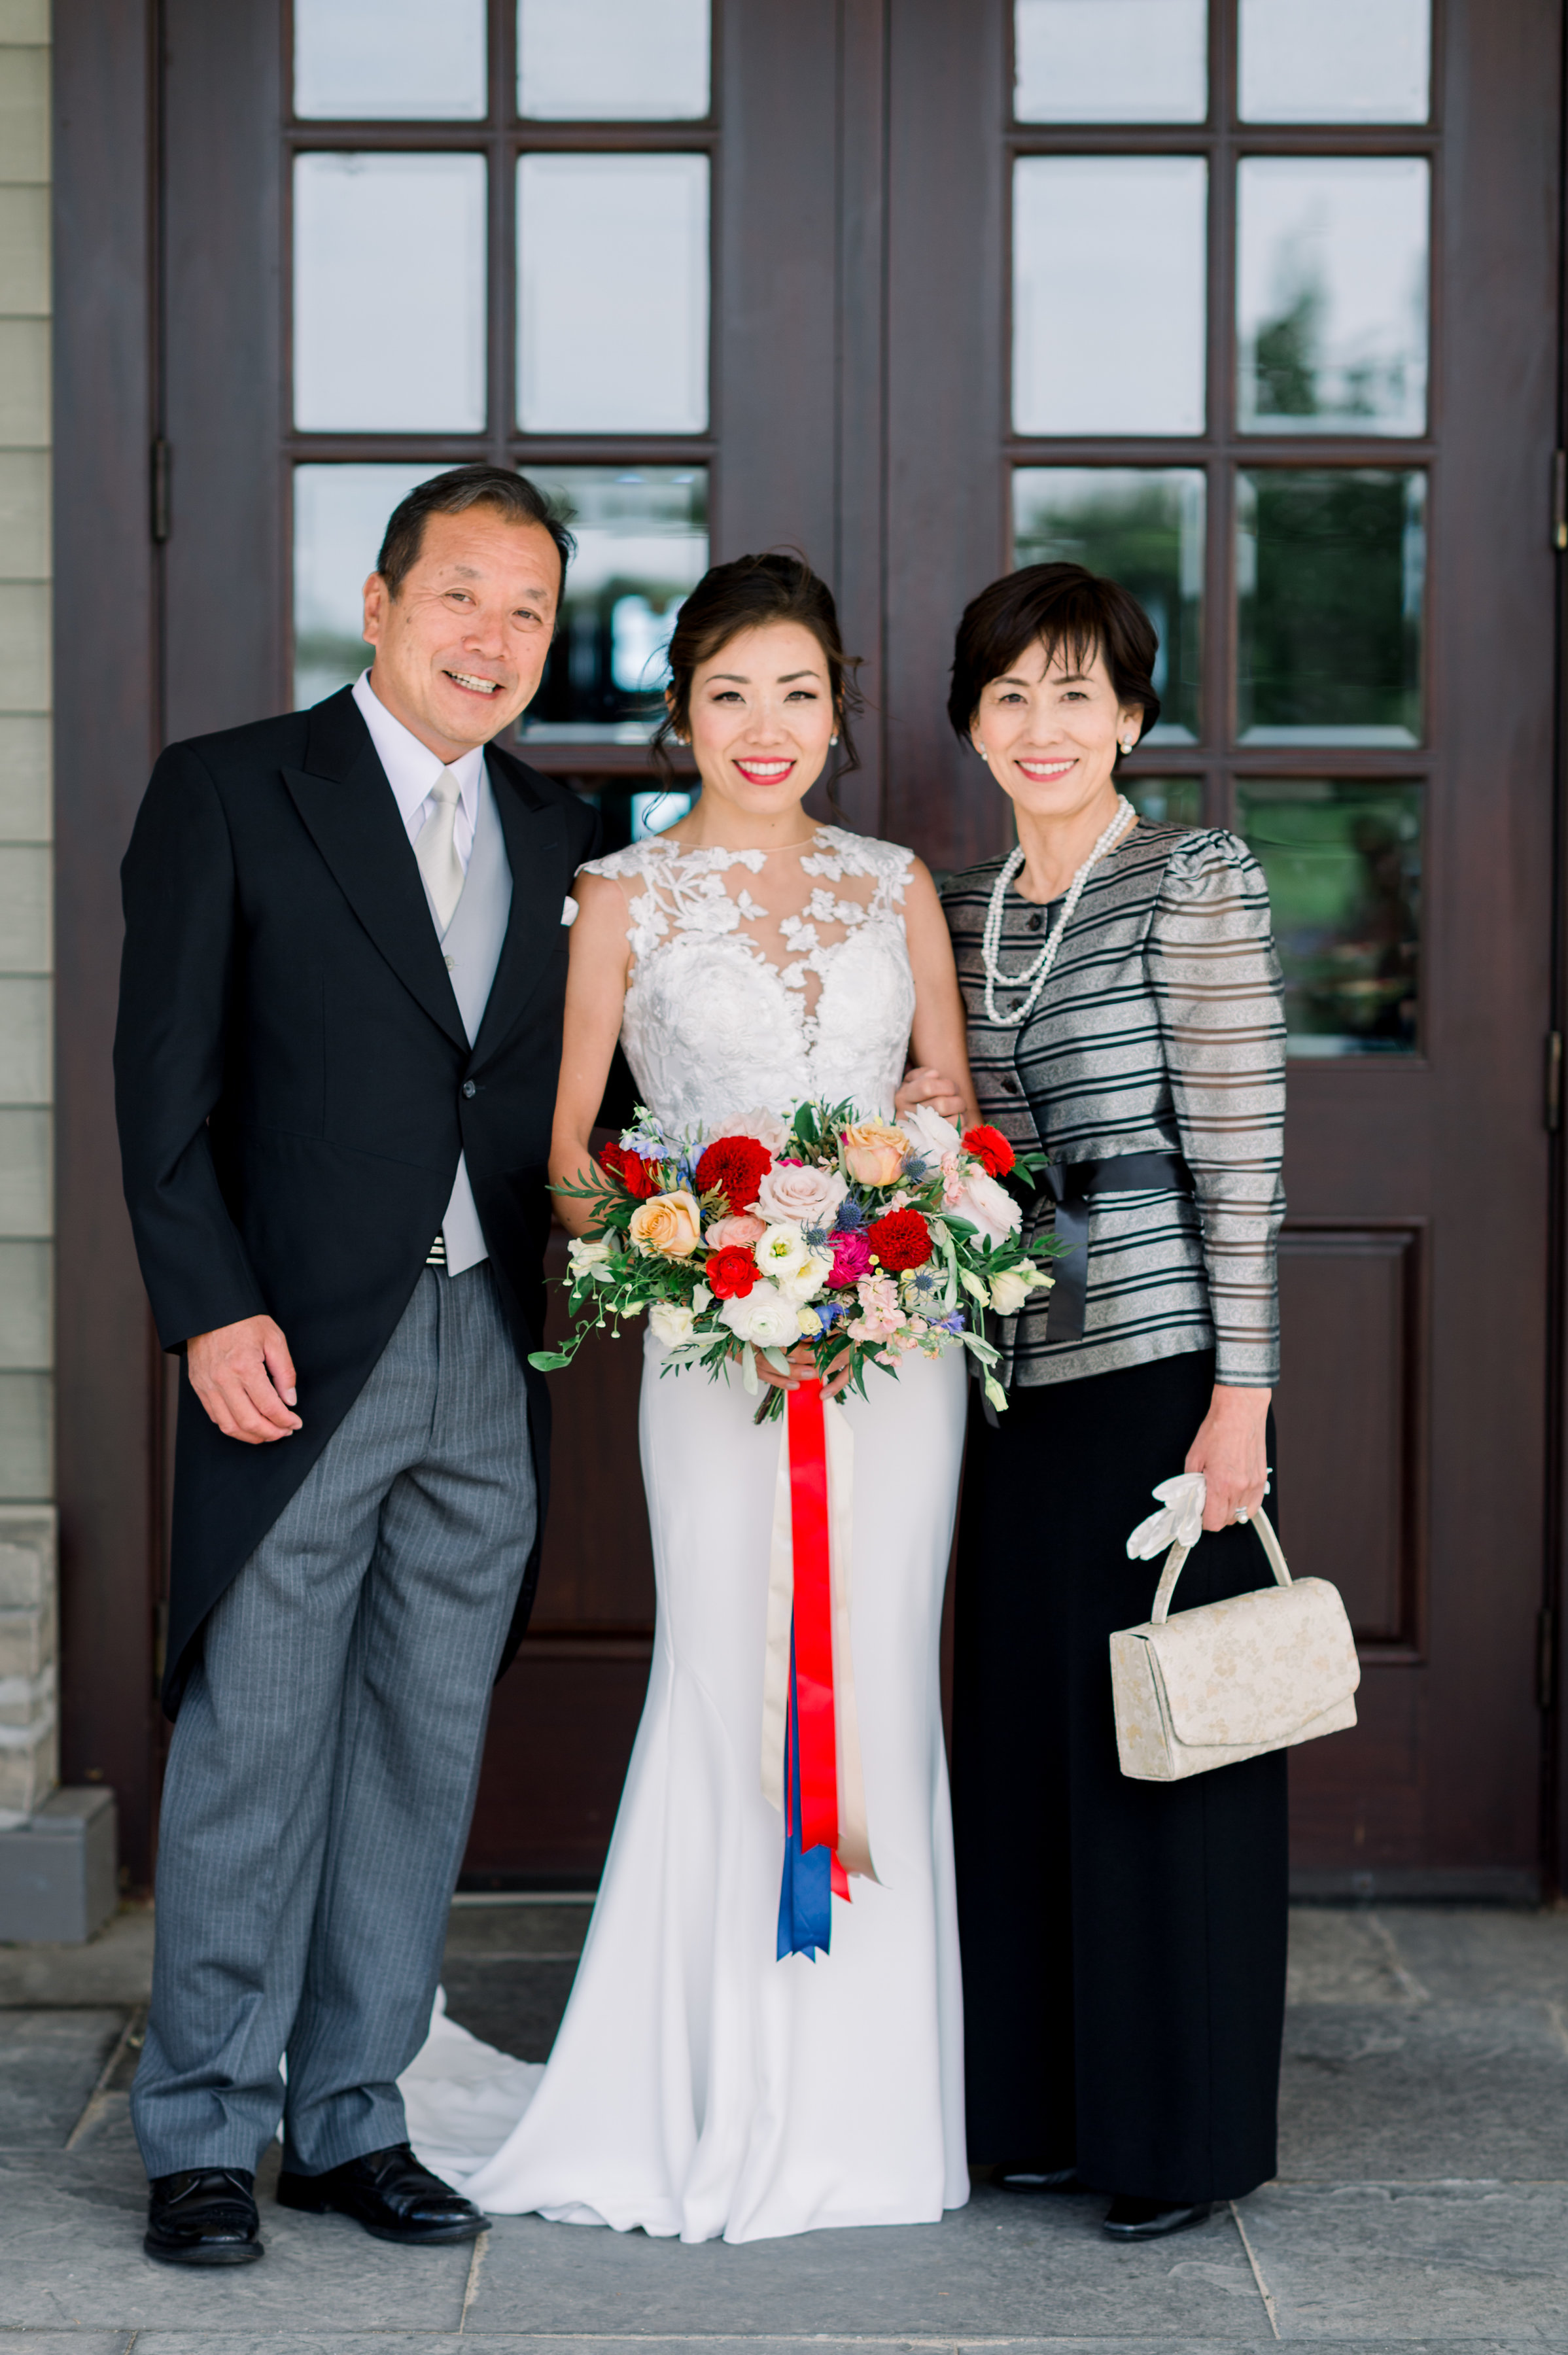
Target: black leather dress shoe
390,2194
1037,2178
1150,2219
203,2216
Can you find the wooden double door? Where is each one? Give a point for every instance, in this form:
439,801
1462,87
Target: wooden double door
931,289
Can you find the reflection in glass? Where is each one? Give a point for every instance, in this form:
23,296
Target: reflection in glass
1110,60
1343,864
340,516
1108,293
656,812
1144,526
613,293
641,543
613,60
1335,60
1165,801
1331,577
410,61
1331,293
366,358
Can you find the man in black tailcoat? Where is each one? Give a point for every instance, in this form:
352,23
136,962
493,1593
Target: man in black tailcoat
337,1058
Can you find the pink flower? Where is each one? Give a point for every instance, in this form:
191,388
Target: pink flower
793,1195
880,1315
728,1234
852,1257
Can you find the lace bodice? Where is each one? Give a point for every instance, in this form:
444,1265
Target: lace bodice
763,977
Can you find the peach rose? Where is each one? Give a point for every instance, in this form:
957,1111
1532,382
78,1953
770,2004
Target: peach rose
738,1230
874,1152
669,1224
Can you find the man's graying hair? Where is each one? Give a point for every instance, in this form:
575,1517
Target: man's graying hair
453,492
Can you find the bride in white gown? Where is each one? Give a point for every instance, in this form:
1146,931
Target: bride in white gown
698,2085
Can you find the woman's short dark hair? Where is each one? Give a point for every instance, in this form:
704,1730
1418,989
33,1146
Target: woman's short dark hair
747,595
453,492
1066,610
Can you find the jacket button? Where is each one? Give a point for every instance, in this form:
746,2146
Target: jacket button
1009,1084
469,1089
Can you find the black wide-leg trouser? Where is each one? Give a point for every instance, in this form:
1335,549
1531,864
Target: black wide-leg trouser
1124,1942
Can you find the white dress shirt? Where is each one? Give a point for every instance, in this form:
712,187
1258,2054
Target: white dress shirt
412,770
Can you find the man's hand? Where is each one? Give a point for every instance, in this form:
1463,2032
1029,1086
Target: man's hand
244,1377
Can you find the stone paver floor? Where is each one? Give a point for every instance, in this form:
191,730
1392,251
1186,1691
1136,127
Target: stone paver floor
1422,2200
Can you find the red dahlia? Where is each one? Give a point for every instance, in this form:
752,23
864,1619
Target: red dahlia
990,1148
899,1241
737,1165
637,1176
731,1273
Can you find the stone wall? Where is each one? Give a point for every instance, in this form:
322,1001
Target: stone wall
26,1271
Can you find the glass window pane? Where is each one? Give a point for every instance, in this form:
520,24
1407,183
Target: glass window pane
1144,526
1335,60
340,516
1109,269
613,293
641,543
1110,60
1331,293
1330,577
1165,801
366,228
613,60
656,812
404,60
1343,864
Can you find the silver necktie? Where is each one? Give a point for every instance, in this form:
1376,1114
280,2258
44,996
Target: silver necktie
435,848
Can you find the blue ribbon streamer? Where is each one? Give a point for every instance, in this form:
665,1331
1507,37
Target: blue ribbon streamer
806,1894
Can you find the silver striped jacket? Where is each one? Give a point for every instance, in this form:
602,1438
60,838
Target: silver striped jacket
1160,1029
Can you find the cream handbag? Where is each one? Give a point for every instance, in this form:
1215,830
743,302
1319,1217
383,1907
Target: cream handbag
1228,1680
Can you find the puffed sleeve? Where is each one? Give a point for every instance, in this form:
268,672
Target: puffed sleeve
1216,983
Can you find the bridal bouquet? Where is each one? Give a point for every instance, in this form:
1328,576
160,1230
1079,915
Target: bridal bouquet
857,1237
865,1240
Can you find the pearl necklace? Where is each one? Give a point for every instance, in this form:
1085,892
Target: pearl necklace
1035,977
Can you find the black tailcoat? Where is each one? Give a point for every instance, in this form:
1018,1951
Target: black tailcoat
295,1086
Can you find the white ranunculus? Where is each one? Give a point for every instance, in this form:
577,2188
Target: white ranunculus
987,1206
801,1197
581,1255
808,1278
671,1323
764,1317
929,1133
1012,1287
782,1253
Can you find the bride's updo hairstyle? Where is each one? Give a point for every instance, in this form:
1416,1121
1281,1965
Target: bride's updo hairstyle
748,595
1067,610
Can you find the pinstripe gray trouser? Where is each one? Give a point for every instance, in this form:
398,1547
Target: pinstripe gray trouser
325,1755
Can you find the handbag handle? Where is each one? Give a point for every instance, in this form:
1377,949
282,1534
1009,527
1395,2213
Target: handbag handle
1179,1553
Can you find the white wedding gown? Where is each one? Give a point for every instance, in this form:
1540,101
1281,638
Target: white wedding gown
698,2085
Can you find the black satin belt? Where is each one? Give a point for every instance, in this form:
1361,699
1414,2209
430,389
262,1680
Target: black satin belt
1075,1185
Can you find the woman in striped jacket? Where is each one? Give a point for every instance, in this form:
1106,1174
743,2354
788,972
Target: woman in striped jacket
1124,1942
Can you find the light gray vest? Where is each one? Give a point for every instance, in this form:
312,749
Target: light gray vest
472,947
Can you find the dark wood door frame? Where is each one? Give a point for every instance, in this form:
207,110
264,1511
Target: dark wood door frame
108,726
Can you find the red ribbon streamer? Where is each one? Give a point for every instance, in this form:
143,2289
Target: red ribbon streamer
814,1626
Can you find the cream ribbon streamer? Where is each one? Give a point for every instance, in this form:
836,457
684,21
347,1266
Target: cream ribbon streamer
854,1835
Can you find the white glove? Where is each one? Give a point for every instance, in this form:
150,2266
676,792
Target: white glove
1180,1523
